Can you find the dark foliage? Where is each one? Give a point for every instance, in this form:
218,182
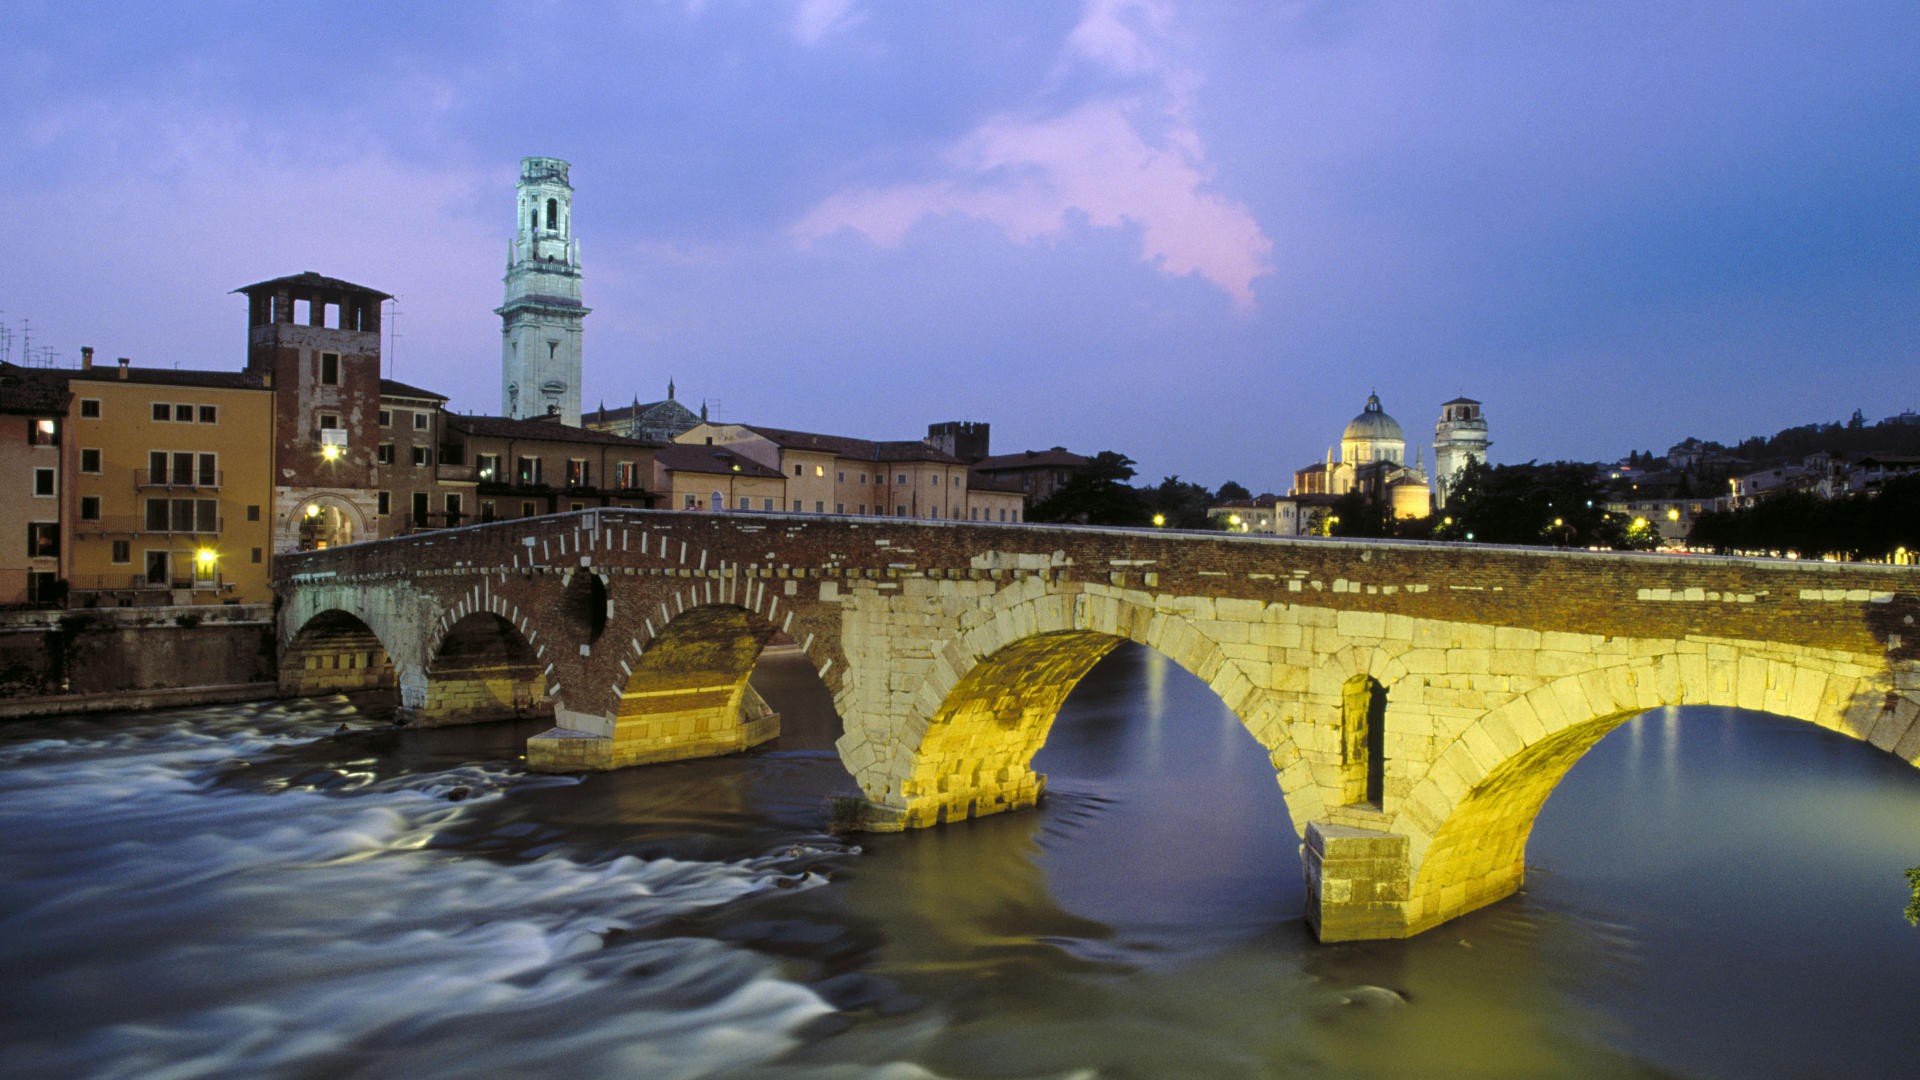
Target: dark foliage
1856,527
1096,494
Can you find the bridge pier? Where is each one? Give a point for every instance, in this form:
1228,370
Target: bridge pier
1358,882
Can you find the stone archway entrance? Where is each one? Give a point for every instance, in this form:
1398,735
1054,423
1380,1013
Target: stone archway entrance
320,525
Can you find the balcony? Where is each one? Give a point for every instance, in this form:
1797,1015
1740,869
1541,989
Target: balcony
209,480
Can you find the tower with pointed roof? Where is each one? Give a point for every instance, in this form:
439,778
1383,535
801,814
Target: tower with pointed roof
542,317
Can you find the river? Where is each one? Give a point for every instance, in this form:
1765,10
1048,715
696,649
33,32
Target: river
296,889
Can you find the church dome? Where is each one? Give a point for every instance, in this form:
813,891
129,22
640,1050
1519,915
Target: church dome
1374,425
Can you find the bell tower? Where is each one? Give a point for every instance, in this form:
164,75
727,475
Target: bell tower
542,316
1459,437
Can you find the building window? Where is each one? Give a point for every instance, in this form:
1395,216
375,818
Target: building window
386,417
796,470
766,504
934,479
863,478
743,503
819,471
453,509
256,555
383,454
487,466
44,432
819,506
577,506
626,476
43,539
863,508
577,472
527,470
900,511
486,509
183,414
383,504
839,508
90,460
156,467
162,411
526,509
122,551
422,456
692,503
89,508
329,369
901,479
209,470
419,421
840,477
209,414
157,568
90,408
329,422
419,509
43,483
796,506
253,512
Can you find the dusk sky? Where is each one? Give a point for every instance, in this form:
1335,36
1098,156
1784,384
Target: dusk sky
1196,233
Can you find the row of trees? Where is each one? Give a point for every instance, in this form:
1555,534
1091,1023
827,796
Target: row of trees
1559,504
1857,526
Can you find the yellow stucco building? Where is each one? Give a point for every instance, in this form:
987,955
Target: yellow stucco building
172,486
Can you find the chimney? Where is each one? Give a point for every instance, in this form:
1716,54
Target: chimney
86,358
123,366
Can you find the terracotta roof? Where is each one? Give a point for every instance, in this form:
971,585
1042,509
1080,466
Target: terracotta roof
1059,457
31,392
225,380
395,388
503,427
701,458
851,448
313,281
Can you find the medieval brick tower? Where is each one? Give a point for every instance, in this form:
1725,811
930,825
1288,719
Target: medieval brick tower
542,316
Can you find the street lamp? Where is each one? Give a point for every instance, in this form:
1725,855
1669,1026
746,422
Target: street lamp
1159,521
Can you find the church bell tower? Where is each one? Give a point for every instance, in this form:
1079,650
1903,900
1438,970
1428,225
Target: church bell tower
542,316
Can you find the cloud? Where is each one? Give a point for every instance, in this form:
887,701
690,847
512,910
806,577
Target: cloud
813,20
1130,160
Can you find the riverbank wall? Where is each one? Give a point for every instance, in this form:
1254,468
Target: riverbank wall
131,658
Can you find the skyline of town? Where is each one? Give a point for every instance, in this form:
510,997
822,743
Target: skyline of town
1216,229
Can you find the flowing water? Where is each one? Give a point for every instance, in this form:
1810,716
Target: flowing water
252,891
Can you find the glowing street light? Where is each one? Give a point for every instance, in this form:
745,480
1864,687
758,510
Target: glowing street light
1159,521
330,452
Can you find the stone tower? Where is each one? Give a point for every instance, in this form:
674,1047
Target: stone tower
1459,437
542,316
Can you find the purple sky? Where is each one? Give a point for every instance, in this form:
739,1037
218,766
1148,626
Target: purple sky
1196,233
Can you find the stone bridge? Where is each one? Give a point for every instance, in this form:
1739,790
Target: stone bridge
1418,701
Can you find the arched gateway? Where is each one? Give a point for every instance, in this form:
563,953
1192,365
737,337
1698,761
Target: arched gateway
1418,701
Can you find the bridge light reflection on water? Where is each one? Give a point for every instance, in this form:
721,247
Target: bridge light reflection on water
1710,893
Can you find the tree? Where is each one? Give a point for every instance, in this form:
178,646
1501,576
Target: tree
1230,491
1559,504
1095,494
1913,905
1179,504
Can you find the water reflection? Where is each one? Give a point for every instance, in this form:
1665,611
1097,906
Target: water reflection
242,891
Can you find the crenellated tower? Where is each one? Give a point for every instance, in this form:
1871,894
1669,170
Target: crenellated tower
542,316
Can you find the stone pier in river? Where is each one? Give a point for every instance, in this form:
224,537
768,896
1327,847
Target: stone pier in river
1418,701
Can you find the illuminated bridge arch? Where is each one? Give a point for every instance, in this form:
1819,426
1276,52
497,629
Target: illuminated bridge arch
989,699
335,651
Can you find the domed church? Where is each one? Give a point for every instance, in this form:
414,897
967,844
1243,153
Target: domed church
1373,459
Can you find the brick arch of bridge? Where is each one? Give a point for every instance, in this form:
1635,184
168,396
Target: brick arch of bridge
337,641
479,666
1469,818
966,743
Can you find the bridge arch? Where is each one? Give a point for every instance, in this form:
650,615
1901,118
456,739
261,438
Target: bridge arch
1469,819
988,700
480,667
334,651
686,691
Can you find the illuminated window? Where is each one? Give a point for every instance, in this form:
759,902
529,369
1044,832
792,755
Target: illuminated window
44,432
819,471
43,539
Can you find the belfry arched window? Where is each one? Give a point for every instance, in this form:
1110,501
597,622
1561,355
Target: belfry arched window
553,214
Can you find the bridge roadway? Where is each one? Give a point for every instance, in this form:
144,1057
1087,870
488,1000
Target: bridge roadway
1418,701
